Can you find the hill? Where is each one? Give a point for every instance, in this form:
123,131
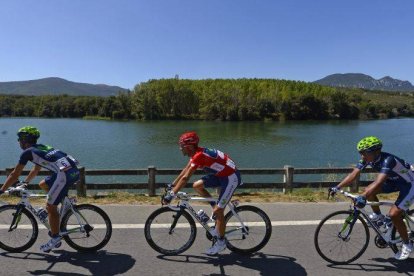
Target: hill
356,80
57,86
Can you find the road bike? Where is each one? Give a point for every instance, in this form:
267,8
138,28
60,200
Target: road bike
172,230
84,227
343,236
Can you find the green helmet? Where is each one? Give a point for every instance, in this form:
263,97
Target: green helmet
28,133
369,144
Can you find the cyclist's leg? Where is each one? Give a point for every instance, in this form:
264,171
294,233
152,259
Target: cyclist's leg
228,186
403,202
207,181
43,185
200,188
58,189
386,188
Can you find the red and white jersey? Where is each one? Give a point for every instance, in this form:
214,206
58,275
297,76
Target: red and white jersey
213,161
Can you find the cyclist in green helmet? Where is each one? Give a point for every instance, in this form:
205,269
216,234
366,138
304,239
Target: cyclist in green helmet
64,174
394,175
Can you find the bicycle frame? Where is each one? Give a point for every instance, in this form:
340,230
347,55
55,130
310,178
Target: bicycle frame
361,211
185,204
67,204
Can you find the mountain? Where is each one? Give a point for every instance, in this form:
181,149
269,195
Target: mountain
355,80
57,86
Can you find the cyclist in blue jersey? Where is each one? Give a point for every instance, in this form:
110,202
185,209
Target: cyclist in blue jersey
64,174
394,175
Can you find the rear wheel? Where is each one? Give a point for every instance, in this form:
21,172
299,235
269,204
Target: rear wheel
24,229
88,228
248,231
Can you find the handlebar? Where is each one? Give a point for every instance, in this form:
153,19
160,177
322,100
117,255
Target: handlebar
353,197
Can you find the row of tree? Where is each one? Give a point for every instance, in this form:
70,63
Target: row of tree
218,99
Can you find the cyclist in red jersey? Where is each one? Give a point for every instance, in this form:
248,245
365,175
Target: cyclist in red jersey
222,172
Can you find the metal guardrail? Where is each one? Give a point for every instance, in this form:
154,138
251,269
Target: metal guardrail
151,185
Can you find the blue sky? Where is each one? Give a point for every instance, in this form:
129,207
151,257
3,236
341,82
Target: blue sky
125,42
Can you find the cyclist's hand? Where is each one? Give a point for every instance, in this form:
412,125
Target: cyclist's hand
168,197
169,187
14,191
332,191
22,185
360,201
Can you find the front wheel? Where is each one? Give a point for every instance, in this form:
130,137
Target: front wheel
18,228
87,229
248,230
170,232
338,241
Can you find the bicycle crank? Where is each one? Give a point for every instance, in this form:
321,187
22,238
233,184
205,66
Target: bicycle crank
380,242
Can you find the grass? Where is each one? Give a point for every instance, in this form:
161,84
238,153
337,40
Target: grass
298,195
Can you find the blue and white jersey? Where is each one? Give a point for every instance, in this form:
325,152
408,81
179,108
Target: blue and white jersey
47,157
397,170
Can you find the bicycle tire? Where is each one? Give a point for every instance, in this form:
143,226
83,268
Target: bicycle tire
330,227
394,234
160,236
243,243
98,228
26,235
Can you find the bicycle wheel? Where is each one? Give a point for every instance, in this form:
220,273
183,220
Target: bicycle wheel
396,236
333,242
170,232
253,236
89,228
24,231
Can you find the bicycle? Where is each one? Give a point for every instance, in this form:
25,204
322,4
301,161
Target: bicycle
171,230
343,236
84,227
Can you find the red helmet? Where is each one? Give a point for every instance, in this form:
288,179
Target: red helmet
189,138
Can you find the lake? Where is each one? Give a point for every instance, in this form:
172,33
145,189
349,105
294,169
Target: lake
129,144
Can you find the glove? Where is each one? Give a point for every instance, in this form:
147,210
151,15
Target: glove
360,201
14,191
22,186
168,197
333,190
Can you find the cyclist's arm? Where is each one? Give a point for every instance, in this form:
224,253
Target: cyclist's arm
33,173
13,177
188,172
375,187
182,173
350,178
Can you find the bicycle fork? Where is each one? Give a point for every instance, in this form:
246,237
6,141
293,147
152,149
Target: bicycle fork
16,217
348,225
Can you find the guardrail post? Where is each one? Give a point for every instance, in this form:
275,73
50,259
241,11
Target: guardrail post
355,185
288,177
81,185
151,180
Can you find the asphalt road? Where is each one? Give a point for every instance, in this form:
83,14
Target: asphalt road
289,252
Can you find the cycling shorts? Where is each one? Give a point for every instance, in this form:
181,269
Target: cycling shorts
59,184
406,196
227,184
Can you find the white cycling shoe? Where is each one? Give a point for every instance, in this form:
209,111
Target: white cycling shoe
405,252
51,244
218,246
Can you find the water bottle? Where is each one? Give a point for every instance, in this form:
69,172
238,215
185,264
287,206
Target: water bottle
203,216
42,214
